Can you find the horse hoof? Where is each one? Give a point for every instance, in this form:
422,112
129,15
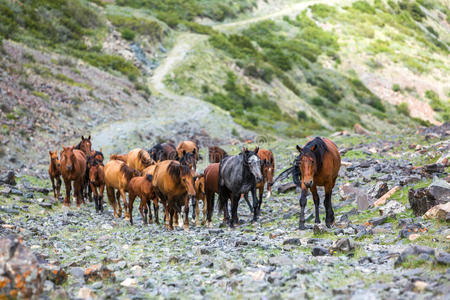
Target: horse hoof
186,228
210,225
302,227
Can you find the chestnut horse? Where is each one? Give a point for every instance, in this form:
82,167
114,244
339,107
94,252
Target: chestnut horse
73,168
84,145
117,177
121,157
173,184
211,175
139,159
317,165
96,181
145,205
164,151
188,146
141,187
267,171
216,154
54,171
200,194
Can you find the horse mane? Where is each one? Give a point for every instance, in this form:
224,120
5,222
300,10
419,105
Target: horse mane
149,177
146,161
176,172
188,156
98,153
78,146
127,171
318,153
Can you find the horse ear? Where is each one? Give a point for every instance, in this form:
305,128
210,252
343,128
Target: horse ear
82,137
299,149
49,152
89,137
256,150
313,148
193,152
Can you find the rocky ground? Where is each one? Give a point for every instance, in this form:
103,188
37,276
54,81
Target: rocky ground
373,251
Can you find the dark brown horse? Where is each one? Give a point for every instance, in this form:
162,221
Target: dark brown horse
54,171
211,175
96,181
317,165
98,157
84,145
141,187
73,168
164,151
173,184
216,154
200,194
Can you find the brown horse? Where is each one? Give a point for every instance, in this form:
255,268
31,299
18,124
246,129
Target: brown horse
164,151
96,181
117,177
173,184
188,146
141,187
84,145
145,205
139,159
97,156
73,168
200,194
121,157
318,165
216,154
54,171
211,175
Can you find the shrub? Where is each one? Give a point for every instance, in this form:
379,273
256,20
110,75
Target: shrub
364,7
327,90
128,34
135,25
322,10
301,115
279,59
396,87
403,108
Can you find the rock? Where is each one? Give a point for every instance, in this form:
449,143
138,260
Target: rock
319,229
413,237
8,178
86,293
173,260
360,130
55,274
413,250
362,201
433,168
443,258
421,201
412,229
420,286
281,260
137,270
45,205
284,188
319,251
258,275
440,212
97,285
77,272
343,244
377,221
382,200
378,190
20,272
98,272
440,190
292,241
129,282
392,207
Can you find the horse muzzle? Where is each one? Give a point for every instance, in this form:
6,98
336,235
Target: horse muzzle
259,179
69,168
308,184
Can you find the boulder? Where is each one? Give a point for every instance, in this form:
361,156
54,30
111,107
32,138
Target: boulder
433,169
343,245
360,130
378,190
8,178
440,212
421,200
21,275
55,273
98,272
440,190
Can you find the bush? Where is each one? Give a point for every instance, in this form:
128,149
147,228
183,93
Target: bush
327,90
128,34
396,87
302,116
364,7
317,101
322,10
135,25
403,108
279,59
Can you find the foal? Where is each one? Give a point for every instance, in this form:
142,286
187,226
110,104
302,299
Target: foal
54,171
142,187
97,180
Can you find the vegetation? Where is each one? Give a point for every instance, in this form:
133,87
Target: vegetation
403,108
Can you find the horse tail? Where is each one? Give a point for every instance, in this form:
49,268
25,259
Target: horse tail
144,158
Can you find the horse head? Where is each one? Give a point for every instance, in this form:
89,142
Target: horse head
188,159
307,164
85,144
187,179
68,157
254,164
54,159
199,184
94,167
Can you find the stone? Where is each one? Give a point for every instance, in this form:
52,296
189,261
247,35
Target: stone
129,282
319,229
392,208
281,260
439,212
8,178
440,190
292,241
45,205
319,251
55,274
413,250
421,201
77,272
21,275
98,272
342,244
362,201
378,190
433,168
137,270
443,258
413,236
420,286
382,200
86,293
377,221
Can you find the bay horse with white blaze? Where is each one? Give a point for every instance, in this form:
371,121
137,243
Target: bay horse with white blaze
317,164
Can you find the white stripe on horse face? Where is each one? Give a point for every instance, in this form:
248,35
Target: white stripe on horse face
253,159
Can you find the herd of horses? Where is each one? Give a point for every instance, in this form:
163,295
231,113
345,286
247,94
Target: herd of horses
167,174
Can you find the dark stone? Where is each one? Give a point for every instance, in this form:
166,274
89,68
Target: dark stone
421,201
286,187
378,190
378,220
443,258
292,241
440,190
433,168
319,251
414,250
8,178
45,205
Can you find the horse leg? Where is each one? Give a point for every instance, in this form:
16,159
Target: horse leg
95,197
119,204
77,186
234,208
58,187
210,207
155,209
329,217
148,209
125,204
261,192
112,199
205,207
171,213
52,180
302,209
269,190
141,209
100,197
186,213
248,202
255,205
197,212
194,208
68,185
316,203
131,196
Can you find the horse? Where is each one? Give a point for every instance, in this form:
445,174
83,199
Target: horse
239,174
188,146
317,164
216,154
164,151
73,168
173,184
84,145
117,176
199,185
121,157
267,170
142,187
188,159
96,181
54,171
139,159
145,204
98,156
